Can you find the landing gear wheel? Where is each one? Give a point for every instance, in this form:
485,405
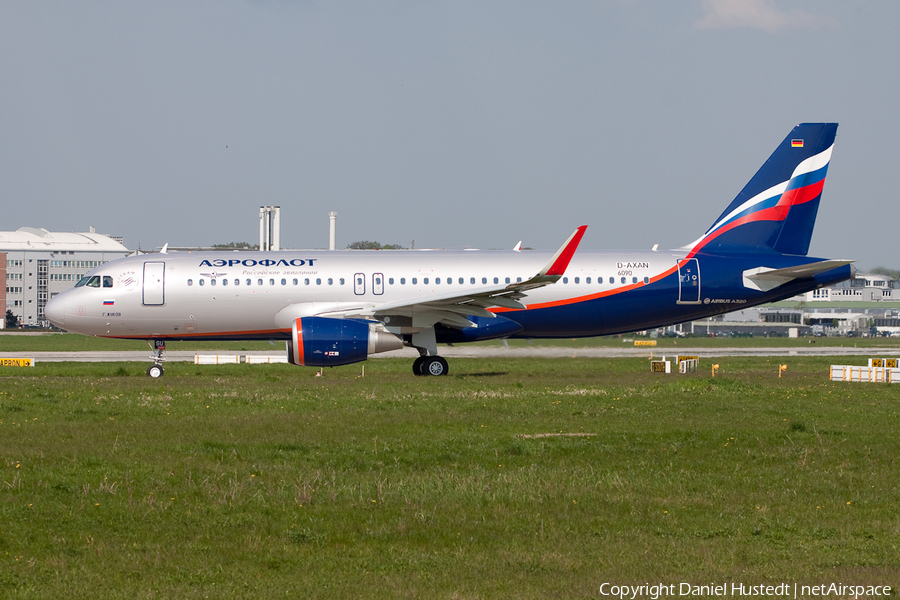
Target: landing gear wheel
419,365
436,366
155,371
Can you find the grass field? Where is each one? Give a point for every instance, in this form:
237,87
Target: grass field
257,482
71,342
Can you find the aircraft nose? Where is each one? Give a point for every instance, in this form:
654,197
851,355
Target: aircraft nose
55,312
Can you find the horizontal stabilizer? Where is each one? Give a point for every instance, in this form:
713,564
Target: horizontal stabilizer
765,278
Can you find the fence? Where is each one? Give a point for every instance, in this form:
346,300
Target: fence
236,359
864,374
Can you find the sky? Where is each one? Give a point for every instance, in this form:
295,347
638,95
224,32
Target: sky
463,124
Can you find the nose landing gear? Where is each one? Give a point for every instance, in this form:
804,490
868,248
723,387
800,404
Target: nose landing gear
156,370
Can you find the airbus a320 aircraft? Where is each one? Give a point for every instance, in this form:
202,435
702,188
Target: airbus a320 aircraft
337,308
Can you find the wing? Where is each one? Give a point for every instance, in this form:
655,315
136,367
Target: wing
452,308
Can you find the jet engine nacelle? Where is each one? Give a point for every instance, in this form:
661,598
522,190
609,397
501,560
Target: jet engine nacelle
328,342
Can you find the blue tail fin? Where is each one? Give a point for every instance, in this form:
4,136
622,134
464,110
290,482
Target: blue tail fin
776,210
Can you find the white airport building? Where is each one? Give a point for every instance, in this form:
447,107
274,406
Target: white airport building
867,305
38,264
865,287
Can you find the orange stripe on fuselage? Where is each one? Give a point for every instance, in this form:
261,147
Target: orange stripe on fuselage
579,299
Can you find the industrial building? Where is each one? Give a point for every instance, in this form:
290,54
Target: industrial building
38,264
865,287
867,305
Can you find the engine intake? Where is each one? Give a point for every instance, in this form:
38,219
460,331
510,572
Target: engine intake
328,342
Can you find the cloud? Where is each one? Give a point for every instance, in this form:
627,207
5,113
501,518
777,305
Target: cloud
757,14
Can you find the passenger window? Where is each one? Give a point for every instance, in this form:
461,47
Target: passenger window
271,282
330,281
518,280
565,280
587,280
224,282
237,282
403,281
414,281
578,280
249,282
341,281
425,280
107,281
507,280
284,282
496,280
623,280
646,280
190,282
612,279
212,282
295,281
318,281
201,281
306,281
634,280
390,281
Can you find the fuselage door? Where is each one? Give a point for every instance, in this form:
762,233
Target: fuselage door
154,283
377,284
359,284
689,281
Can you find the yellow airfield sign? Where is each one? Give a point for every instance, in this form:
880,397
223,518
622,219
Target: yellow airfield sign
16,362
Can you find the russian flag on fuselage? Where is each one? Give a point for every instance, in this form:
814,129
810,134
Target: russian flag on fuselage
776,210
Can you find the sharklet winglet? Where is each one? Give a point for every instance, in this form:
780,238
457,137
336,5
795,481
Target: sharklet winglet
560,261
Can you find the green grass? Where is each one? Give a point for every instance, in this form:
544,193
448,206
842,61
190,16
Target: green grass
72,342
266,481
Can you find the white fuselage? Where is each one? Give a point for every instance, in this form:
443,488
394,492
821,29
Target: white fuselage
242,295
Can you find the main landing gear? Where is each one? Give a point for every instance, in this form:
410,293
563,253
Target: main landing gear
430,365
156,370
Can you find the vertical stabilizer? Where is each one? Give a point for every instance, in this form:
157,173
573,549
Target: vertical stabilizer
776,210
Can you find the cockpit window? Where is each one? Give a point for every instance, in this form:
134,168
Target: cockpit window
94,281
107,281
82,281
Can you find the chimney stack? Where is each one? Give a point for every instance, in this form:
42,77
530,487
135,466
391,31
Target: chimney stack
332,216
269,228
